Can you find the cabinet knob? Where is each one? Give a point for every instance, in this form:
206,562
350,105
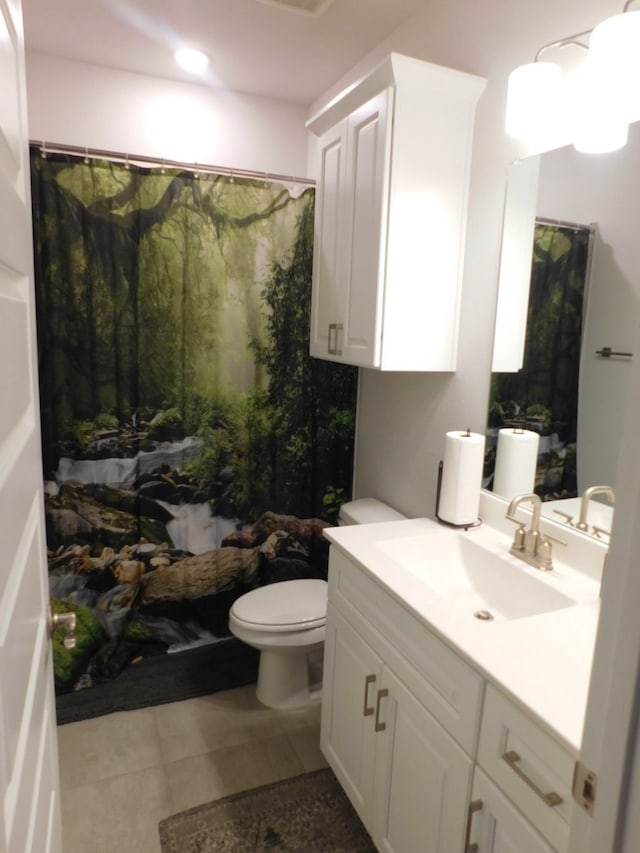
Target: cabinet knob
368,710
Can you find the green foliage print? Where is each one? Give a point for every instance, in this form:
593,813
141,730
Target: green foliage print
173,305
313,401
543,395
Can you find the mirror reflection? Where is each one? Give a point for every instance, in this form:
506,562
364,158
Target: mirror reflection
582,274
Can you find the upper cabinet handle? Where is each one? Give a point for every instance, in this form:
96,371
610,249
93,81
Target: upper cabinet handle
474,806
333,333
332,339
368,711
380,727
551,799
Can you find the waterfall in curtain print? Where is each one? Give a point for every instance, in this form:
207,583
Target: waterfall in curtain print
183,422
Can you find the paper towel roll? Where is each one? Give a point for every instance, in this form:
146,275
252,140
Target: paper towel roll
516,461
461,477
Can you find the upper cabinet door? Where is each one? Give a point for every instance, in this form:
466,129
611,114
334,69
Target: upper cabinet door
331,219
389,235
369,141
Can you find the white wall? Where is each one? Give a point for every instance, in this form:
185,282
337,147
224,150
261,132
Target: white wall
75,103
403,417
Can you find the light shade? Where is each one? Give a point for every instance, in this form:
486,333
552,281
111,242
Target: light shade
191,60
534,99
614,52
600,119
596,134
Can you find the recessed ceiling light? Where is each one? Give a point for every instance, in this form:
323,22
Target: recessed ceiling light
191,60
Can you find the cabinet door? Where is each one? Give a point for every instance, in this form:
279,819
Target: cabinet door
423,778
497,827
351,682
369,150
331,218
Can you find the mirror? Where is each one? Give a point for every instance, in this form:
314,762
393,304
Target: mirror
602,191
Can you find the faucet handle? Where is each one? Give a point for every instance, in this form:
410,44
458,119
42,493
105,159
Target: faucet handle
545,535
519,535
543,551
521,527
567,516
543,555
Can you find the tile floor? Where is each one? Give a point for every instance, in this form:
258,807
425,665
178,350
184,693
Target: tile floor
122,773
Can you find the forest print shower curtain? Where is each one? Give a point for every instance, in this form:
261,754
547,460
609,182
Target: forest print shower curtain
192,449
543,395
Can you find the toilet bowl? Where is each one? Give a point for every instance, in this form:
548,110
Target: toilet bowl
286,621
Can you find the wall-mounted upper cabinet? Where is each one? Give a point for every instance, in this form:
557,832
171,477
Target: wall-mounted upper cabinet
393,173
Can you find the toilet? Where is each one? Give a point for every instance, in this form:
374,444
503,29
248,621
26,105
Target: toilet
286,621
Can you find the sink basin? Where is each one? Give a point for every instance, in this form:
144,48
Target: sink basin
473,577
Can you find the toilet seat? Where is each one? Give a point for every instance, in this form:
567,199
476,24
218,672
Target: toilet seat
296,605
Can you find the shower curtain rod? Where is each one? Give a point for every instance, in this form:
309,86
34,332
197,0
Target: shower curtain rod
575,226
139,160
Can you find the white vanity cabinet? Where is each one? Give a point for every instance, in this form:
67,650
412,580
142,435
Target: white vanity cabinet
393,171
399,717
432,755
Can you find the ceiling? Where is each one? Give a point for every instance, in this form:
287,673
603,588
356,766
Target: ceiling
253,47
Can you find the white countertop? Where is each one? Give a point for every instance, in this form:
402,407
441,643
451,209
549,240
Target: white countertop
543,662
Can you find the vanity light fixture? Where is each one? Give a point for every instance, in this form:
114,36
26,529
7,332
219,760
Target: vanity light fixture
194,61
591,105
531,96
614,52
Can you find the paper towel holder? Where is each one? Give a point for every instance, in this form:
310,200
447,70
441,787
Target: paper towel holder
465,526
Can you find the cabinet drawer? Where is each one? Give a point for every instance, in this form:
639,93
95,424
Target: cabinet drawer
496,825
442,681
533,769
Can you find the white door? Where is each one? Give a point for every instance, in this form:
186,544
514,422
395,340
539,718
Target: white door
29,819
351,682
422,778
330,241
611,739
369,151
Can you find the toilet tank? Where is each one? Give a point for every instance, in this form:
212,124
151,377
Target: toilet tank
366,511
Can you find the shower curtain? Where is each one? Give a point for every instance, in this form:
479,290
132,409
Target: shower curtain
192,450
543,395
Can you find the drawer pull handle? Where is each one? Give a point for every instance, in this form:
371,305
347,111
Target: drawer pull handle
368,711
474,806
380,727
551,799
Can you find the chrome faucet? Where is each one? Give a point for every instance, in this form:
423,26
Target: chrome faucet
584,503
530,545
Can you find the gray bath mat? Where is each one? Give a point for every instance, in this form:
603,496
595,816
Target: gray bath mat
301,815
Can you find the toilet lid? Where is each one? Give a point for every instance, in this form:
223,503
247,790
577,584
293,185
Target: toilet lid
281,605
